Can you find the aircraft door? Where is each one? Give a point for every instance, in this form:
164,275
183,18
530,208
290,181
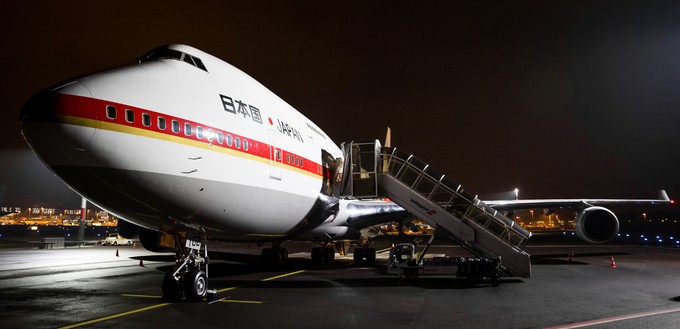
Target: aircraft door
275,155
328,168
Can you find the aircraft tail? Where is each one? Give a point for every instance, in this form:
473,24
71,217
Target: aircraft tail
663,195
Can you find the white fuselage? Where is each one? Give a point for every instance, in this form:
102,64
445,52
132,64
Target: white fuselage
164,141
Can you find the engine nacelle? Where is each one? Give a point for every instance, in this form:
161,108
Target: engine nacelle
128,230
149,240
596,225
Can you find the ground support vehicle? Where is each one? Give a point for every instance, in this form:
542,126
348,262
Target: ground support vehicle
409,264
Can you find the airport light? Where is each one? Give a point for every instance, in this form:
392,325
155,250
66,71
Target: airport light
516,194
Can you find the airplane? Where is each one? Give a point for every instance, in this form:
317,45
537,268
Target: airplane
186,148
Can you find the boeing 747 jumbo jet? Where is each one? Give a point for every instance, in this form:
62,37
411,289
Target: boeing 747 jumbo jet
188,149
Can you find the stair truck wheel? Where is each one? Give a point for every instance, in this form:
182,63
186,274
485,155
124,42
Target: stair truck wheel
410,274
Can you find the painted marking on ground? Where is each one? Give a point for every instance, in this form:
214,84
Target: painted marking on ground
106,318
143,309
616,319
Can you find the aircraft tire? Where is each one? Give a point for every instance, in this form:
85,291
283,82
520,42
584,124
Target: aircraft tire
328,254
358,255
370,255
195,285
317,254
270,255
172,290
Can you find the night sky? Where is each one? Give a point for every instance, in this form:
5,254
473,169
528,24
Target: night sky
557,98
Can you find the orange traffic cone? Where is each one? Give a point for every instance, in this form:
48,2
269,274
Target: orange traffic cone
141,261
117,252
612,263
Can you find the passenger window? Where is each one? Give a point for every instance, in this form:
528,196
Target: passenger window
278,155
187,129
175,126
302,162
129,116
220,137
237,142
161,123
146,119
199,132
287,158
245,145
210,135
229,140
111,112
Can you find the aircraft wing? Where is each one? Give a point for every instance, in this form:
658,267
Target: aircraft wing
504,205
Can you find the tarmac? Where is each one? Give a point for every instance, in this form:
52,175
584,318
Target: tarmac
93,287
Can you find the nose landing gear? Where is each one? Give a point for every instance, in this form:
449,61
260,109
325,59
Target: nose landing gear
189,277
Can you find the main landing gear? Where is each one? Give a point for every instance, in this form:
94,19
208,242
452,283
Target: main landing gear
325,253
275,253
189,277
364,253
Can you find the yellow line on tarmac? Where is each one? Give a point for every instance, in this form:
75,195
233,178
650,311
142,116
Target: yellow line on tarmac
283,275
267,279
227,289
106,318
383,250
240,301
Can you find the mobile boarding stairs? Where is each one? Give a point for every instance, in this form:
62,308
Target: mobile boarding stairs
371,171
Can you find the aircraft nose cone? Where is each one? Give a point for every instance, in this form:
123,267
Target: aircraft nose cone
59,123
36,108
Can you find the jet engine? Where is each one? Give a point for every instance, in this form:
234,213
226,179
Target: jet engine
149,240
596,225
128,230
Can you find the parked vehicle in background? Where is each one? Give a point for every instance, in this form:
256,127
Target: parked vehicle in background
115,239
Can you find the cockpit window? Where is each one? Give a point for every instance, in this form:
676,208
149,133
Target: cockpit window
199,63
165,53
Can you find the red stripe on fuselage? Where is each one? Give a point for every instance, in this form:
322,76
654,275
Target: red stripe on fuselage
95,109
